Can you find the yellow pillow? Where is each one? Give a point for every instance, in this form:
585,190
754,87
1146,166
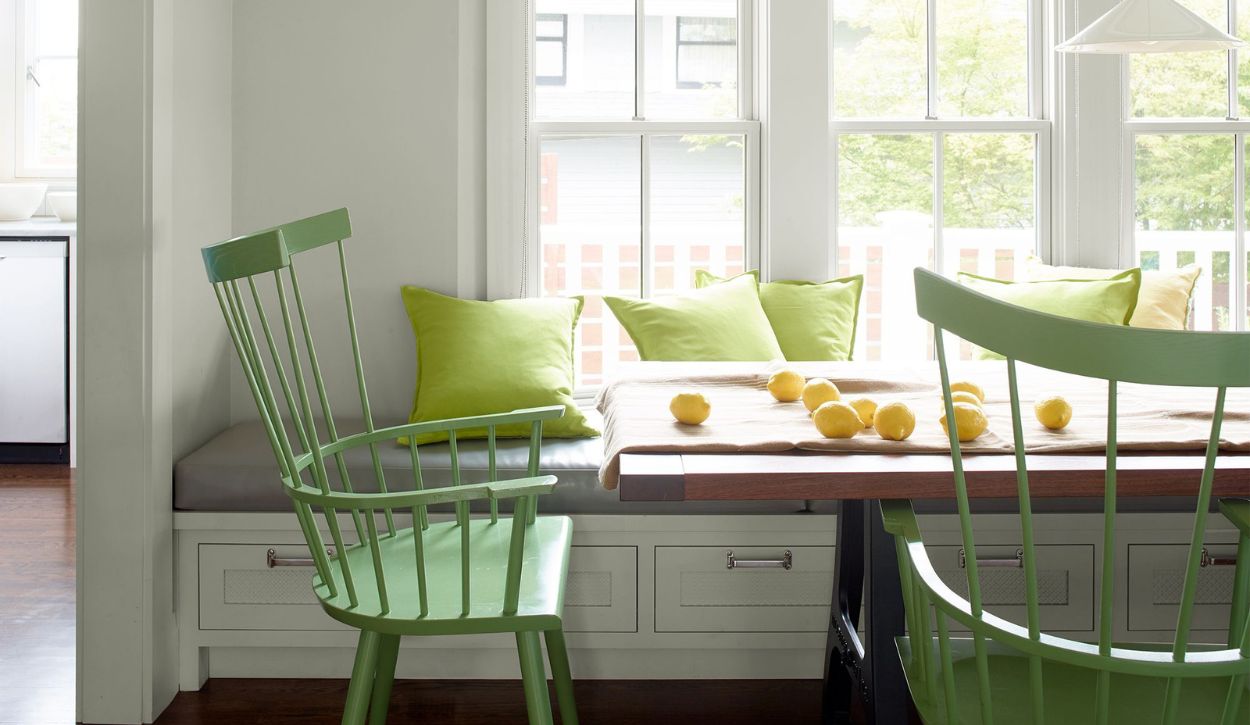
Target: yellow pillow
1162,304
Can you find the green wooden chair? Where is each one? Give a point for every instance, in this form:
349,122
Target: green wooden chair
1007,673
460,576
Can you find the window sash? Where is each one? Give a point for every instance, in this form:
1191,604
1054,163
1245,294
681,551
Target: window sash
25,104
639,127
646,130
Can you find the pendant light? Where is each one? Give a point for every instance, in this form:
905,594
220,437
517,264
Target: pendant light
1149,26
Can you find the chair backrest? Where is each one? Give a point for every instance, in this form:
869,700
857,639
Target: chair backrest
1111,353
280,361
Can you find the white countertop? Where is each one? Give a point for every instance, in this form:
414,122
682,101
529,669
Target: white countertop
40,226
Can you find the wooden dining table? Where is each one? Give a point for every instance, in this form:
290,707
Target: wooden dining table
866,568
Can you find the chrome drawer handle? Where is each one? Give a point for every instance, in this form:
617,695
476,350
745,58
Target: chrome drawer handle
1211,560
1001,562
785,562
272,559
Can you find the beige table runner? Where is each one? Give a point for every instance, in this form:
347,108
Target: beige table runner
746,419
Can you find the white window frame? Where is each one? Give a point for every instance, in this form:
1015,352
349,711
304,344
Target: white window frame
1037,122
24,111
1230,125
514,135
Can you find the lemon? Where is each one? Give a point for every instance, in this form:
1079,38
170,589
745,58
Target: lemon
969,387
866,409
836,419
1053,412
894,421
690,408
963,396
818,391
970,421
786,385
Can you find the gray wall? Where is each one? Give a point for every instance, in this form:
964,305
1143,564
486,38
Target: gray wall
199,195
357,105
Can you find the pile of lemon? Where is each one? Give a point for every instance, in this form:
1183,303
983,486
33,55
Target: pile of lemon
835,418
895,421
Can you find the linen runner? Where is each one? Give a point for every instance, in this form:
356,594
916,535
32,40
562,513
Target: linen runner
746,419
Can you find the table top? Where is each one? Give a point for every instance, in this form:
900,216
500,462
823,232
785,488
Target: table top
823,477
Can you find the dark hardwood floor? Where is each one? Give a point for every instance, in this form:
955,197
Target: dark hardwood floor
477,702
37,654
36,595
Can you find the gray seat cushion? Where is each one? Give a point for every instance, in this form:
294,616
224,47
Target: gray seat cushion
236,471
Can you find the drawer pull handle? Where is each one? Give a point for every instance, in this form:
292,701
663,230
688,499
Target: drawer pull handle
1000,562
272,559
1211,560
785,562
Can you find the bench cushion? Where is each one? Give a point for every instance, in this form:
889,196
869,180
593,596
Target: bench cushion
236,471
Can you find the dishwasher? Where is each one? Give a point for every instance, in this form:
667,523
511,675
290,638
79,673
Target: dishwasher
34,350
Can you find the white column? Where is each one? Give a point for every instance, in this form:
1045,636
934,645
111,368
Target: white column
794,109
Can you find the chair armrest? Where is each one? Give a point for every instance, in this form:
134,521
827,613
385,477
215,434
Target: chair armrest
524,415
514,488
1237,510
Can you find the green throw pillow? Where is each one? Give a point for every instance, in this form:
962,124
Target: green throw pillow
723,322
812,320
1108,301
475,358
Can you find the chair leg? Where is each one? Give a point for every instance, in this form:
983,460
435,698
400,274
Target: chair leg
358,691
383,678
559,657
534,677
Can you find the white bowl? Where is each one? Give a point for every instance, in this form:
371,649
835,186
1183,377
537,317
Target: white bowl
19,201
64,204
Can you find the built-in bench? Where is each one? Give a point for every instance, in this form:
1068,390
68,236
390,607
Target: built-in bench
649,594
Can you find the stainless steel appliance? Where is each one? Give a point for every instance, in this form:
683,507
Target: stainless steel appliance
34,350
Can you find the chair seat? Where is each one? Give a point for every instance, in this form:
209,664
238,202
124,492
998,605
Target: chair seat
546,558
1068,691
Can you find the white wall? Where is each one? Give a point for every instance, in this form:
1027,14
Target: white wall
354,104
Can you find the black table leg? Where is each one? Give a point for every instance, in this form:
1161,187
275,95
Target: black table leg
865,564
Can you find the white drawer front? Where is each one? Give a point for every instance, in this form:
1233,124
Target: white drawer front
602,590
1065,583
239,591
695,591
1156,575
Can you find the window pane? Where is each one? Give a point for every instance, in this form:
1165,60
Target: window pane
982,58
988,212
987,203
885,229
1184,208
879,58
697,215
692,60
600,71
549,26
590,238
549,61
1175,85
56,27
53,142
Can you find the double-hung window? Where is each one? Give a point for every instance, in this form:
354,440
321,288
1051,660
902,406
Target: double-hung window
47,88
1185,144
941,149
640,175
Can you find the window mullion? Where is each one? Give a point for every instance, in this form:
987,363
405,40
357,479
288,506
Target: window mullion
938,171
1233,110
640,47
1237,267
931,102
644,217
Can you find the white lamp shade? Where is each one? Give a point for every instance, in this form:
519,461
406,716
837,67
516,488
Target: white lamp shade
1149,26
